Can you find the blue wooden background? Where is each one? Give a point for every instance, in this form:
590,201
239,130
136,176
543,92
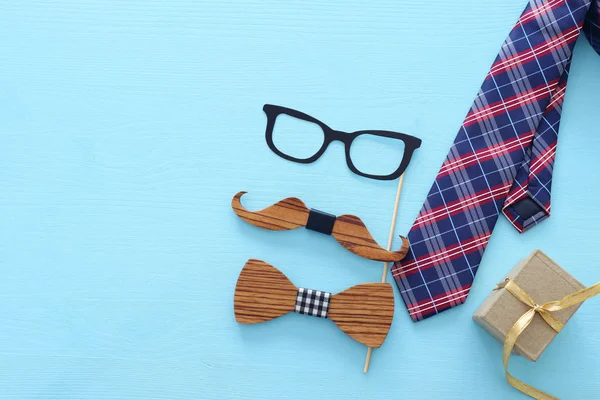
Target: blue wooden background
127,126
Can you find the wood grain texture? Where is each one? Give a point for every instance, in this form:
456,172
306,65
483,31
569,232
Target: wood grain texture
364,312
352,233
348,230
262,293
290,213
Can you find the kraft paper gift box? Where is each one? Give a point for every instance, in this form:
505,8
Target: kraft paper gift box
544,281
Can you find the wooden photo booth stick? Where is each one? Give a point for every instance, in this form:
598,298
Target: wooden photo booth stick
363,312
348,230
389,246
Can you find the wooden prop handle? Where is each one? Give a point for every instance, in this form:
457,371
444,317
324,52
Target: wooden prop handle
389,246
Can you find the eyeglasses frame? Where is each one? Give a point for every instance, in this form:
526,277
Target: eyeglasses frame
272,111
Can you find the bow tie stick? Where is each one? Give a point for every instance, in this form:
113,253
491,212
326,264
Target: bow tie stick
389,246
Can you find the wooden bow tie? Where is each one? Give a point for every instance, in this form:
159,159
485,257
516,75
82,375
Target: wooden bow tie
348,230
363,312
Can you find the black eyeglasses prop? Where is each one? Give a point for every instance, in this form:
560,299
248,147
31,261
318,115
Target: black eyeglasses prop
388,167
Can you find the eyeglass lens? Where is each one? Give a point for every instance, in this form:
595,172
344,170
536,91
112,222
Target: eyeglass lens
297,138
388,154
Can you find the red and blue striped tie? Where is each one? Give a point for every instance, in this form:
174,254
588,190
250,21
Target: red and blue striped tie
501,160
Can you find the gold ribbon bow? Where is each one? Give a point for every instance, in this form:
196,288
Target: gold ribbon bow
523,322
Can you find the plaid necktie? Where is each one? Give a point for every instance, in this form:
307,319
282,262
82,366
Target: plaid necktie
501,160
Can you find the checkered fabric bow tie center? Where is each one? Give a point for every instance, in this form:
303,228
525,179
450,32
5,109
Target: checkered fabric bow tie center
501,160
312,302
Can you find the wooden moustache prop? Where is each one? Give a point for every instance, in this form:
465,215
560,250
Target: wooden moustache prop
348,230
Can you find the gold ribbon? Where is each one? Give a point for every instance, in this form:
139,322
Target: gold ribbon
523,322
